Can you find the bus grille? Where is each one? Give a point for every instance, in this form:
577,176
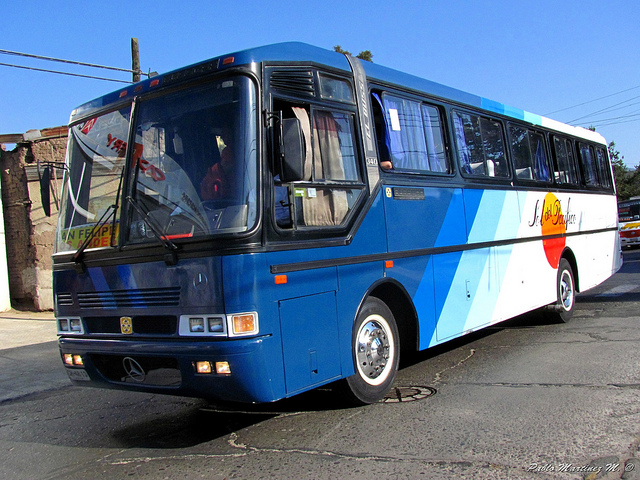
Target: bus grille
141,325
64,299
151,297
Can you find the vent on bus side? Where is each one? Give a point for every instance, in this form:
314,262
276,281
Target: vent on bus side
298,82
150,297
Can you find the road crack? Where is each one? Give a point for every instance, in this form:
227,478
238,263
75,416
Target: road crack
438,376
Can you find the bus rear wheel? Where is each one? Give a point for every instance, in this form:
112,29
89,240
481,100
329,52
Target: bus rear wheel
376,353
562,310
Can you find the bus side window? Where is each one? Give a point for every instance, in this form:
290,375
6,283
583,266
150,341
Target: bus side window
529,154
480,144
603,167
588,163
410,136
332,180
564,166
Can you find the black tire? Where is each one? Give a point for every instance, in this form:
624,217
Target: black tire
562,310
375,348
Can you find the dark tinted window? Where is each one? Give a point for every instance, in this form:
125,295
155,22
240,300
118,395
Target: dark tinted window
480,145
565,171
529,154
588,164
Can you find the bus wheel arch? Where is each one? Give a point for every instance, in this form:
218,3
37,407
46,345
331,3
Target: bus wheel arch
571,258
399,302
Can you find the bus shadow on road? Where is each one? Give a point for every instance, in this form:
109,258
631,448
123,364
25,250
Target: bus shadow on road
203,421
184,428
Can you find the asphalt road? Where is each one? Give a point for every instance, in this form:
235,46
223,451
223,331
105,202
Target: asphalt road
527,399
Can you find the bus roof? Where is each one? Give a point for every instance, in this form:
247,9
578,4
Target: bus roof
305,53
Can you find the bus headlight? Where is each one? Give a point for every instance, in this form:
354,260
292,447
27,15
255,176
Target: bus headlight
202,325
70,325
234,325
196,325
216,324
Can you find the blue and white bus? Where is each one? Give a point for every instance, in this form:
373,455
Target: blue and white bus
265,222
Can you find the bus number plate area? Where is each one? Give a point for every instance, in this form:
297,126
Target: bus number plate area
78,375
400,193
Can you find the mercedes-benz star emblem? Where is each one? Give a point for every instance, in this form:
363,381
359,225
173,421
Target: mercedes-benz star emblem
133,369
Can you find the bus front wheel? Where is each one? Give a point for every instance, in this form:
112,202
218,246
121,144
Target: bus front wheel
376,353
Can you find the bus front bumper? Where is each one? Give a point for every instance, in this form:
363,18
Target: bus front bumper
231,370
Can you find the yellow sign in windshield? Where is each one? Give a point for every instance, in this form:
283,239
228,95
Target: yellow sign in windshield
74,237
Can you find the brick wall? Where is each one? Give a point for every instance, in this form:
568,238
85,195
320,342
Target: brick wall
30,234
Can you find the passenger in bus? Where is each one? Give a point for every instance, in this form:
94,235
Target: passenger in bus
218,182
381,133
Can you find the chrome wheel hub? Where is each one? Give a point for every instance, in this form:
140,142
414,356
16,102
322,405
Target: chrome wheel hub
373,349
566,290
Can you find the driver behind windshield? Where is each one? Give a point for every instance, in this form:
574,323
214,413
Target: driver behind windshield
218,182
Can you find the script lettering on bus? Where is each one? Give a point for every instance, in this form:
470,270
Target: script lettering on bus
551,213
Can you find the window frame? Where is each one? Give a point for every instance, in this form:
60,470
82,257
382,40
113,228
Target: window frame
483,177
549,162
422,103
605,169
572,159
584,164
281,97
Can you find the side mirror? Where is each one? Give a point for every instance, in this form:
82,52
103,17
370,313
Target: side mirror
45,190
292,151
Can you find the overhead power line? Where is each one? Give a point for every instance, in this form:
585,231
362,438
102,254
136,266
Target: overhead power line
592,101
72,62
63,73
605,110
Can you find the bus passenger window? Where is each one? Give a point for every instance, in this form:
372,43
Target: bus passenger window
565,168
529,154
480,145
603,167
332,181
588,162
412,136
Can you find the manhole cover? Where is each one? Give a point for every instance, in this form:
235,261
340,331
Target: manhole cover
408,394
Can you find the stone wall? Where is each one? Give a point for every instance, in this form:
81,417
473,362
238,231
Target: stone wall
30,234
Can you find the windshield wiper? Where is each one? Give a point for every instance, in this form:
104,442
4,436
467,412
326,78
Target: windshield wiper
171,257
77,257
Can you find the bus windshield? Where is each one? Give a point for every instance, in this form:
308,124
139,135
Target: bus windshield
193,164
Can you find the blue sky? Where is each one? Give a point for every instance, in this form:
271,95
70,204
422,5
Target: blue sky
543,56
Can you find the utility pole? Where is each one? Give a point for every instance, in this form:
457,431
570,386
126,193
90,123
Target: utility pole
135,59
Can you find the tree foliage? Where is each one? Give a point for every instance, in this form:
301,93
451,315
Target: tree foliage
364,55
627,180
